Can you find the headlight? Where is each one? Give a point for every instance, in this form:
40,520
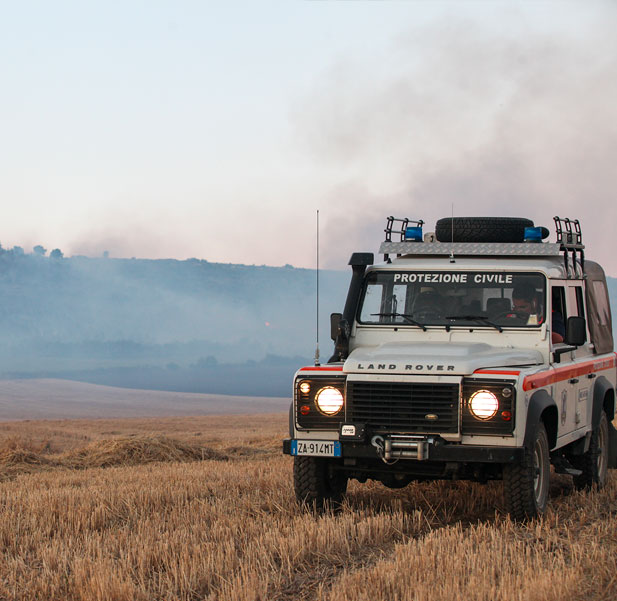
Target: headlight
483,404
329,400
319,402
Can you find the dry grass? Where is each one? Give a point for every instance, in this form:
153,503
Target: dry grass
162,524
55,436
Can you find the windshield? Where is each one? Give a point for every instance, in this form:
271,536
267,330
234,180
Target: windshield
453,298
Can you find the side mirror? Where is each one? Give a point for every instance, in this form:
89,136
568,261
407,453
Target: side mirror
335,320
576,331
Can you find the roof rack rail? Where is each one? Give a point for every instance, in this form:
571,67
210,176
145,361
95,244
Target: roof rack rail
570,239
404,224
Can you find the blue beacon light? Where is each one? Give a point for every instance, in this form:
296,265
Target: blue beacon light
533,234
413,234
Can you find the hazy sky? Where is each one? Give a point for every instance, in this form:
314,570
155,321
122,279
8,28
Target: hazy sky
216,129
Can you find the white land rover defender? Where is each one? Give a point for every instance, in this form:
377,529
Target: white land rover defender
476,352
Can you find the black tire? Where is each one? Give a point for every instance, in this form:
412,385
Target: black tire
395,483
594,463
526,484
482,229
317,484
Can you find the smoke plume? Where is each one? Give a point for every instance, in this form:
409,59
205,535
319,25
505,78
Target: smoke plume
519,120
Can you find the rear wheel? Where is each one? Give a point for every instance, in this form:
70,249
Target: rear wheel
526,483
594,463
317,483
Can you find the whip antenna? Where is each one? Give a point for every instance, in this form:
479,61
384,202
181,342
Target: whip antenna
317,311
452,239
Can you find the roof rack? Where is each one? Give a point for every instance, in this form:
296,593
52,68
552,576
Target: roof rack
404,224
403,228
569,243
570,239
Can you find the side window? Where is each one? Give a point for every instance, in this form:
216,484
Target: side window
599,291
580,306
559,312
558,301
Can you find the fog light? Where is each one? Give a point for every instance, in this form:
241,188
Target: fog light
329,400
483,404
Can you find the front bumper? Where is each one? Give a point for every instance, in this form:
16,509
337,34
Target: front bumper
436,449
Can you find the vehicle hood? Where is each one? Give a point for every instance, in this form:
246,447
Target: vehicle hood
441,358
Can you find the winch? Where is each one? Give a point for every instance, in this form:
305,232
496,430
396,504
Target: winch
401,446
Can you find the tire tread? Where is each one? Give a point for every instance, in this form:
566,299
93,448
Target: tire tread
518,481
588,463
312,484
482,229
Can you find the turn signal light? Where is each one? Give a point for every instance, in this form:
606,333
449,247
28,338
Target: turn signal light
506,416
305,410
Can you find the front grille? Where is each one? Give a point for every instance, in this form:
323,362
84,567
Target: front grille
403,406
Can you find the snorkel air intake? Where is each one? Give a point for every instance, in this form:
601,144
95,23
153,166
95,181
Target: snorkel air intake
359,263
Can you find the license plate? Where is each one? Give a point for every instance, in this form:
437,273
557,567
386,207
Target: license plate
316,448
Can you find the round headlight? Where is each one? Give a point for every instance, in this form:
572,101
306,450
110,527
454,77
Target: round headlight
329,400
483,404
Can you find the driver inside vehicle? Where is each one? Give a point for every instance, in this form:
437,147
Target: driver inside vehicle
428,305
525,303
526,307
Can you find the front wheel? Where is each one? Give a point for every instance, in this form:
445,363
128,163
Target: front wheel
526,483
594,463
316,482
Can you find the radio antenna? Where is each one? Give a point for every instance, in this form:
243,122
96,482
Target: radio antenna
452,238
317,311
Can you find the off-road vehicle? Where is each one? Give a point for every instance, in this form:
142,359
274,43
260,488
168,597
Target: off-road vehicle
480,351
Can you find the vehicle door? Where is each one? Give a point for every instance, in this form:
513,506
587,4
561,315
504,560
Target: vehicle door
565,387
581,384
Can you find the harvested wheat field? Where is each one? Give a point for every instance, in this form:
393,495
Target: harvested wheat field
202,508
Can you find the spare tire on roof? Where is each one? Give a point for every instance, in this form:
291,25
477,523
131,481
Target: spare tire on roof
482,229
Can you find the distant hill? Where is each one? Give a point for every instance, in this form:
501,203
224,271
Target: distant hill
134,321
190,326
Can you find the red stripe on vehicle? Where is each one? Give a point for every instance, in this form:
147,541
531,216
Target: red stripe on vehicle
501,372
565,373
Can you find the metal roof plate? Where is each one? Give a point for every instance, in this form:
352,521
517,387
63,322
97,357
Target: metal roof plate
488,249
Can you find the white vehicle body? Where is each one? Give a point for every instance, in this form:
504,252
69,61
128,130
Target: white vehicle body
408,384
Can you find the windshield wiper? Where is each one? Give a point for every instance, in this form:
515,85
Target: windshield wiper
481,318
406,317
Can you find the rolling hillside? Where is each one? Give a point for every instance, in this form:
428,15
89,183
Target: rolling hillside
63,399
177,325
190,326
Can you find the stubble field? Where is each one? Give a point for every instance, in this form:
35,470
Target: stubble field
203,508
